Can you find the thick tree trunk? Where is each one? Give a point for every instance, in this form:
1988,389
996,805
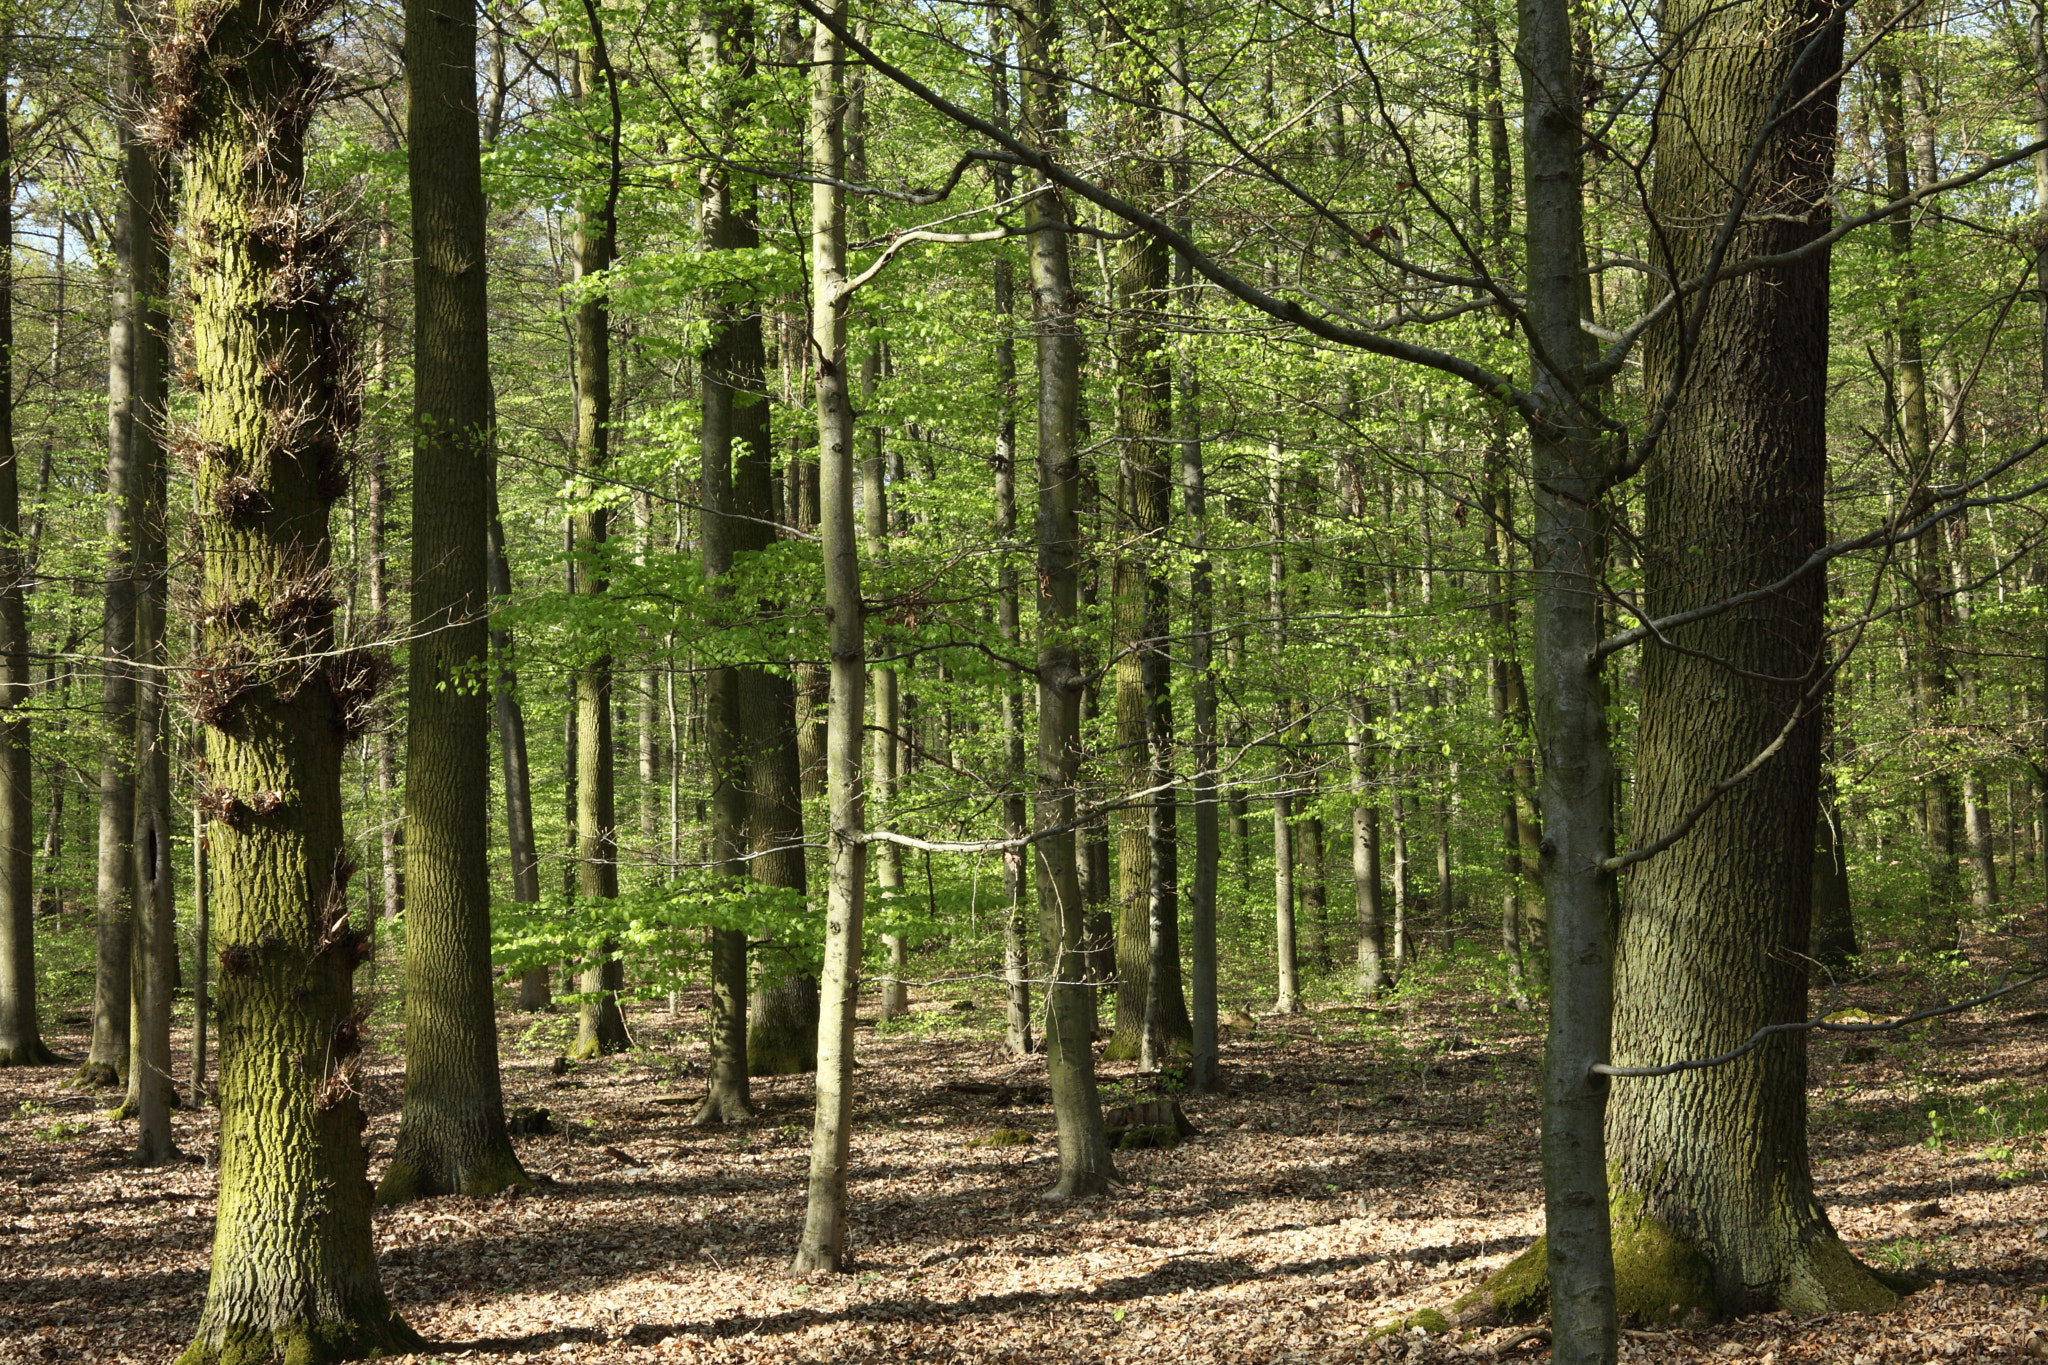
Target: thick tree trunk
823,1244
21,1042
451,1136
1084,1160
293,1269
1713,1195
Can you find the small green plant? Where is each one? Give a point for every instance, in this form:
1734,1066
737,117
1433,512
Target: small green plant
1914,1255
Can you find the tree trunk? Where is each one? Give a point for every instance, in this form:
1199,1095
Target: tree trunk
888,710
1287,998
600,1026
1084,1161
1017,1032
823,1245
1146,906
151,1093
510,715
1713,1192
107,1059
451,1135
726,382
1365,857
293,1269
21,1042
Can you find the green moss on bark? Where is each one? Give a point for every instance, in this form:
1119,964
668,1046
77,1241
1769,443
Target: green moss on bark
300,1343
1659,1277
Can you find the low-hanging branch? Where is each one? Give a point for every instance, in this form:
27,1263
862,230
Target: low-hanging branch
1819,1023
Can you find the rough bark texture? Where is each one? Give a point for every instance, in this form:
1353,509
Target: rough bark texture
451,1136
1714,942
293,1270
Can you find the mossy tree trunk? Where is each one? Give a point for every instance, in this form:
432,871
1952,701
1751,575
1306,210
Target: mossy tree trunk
1084,1160
293,1269
1147,907
451,1136
1714,942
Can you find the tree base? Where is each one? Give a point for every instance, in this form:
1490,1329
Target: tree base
493,1171
96,1076
721,1107
781,1052
1661,1278
306,1344
33,1052
1129,1047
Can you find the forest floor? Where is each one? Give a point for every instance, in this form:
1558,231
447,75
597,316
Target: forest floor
1361,1165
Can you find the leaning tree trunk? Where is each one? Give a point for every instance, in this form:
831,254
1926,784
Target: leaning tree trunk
600,1026
293,1271
823,1243
451,1134
1084,1161
1712,1192
21,1042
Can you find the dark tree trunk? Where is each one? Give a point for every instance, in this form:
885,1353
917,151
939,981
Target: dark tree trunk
1712,1194
451,1136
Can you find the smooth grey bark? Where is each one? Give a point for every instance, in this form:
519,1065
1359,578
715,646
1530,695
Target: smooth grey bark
1569,702
1017,1031
823,1243
107,1059
509,715
1287,996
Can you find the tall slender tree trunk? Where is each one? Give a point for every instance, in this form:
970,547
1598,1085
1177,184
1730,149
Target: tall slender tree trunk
601,1027
1711,1173
293,1270
823,1244
887,725
1287,997
1148,912
1084,1160
1017,1031
21,1042
725,44
108,1057
1366,887
151,1092
451,1135
510,715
